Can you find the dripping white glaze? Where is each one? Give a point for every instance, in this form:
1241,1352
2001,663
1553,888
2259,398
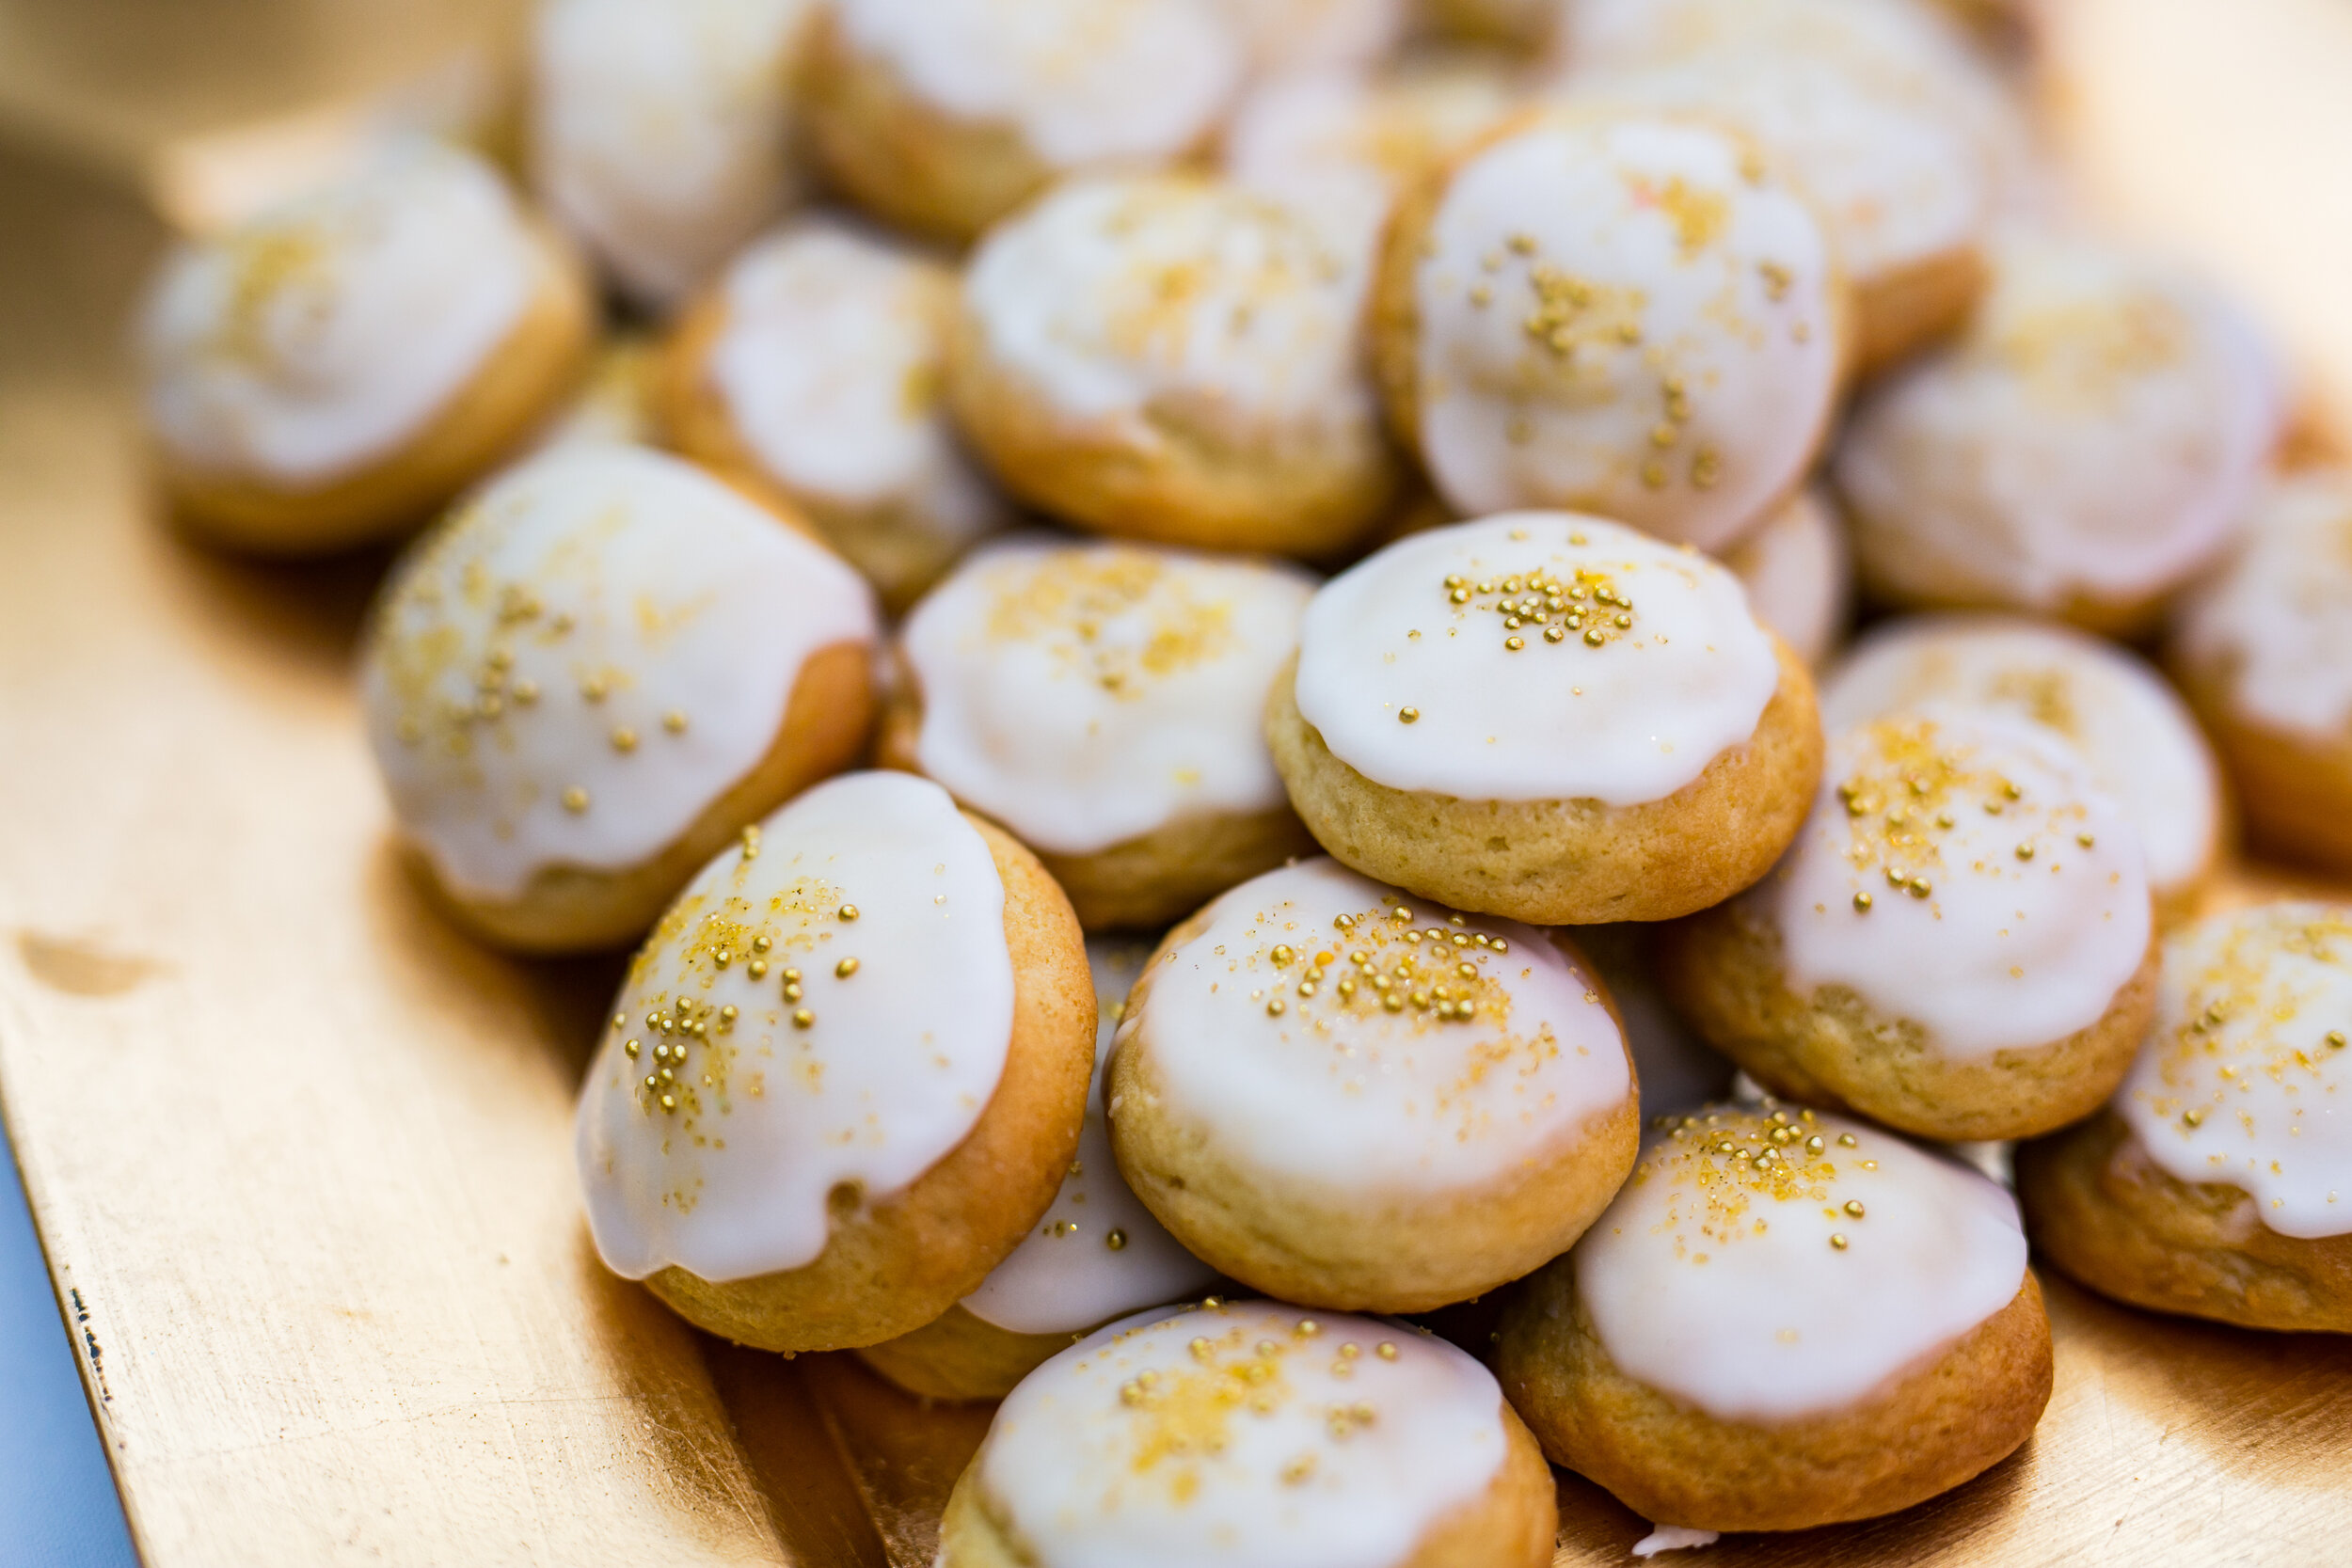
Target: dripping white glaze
2278,616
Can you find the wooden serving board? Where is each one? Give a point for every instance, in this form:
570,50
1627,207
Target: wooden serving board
300,1154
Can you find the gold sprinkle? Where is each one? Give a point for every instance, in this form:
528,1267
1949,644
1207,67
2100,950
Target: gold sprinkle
673,722
2025,852
575,799
1837,1243
1308,1328
625,739
594,689
1861,903
629,1049
1116,1240
1514,643
1846,1140
1407,714
802,1017
1277,1008
1921,887
2085,840
1854,1208
2335,1040
526,693
1385,1350
1813,1145
762,944
1283,954
2192,1119
846,968
849,911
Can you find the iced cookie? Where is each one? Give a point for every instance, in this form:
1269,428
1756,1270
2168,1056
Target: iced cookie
592,675
665,133
2263,649
1620,313
1170,357
845,1075
1345,145
1547,716
815,369
1959,943
942,116
2219,1184
1786,1319
328,372
1798,570
1346,1100
1106,702
1098,1253
2081,450
1254,1433
2143,747
1905,195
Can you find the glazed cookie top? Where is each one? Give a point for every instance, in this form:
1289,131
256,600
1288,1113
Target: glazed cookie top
2142,745
1247,1434
1896,185
1623,313
2095,431
1962,871
1537,656
1327,1030
831,363
2277,617
1768,1264
1098,1252
2244,1075
584,656
827,1007
662,130
323,334
1081,81
1126,300
1343,145
1798,570
1087,695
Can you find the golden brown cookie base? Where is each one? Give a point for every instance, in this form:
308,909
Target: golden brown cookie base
519,383
1726,971
1567,862
2295,791
894,1264
569,909
1925,1432
1513,1524
1340,1247
1897,313
2101,1210
961,1357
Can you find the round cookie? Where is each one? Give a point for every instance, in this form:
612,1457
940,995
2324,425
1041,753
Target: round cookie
2081,450
1786,1319
1798,570
1905,195
1346,1106
664,132
328,372
944,116
1958,944
2263,649
1344,145
591,674
1623,313
1548,717
2130,726
1105,703
844,1076
1170,357
816,371
1251,1433
1097,1255
2219,1184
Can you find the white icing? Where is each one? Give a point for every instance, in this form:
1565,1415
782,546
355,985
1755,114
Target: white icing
2023,933
1896,185
1296,35
2096,431
832,362
892,1072
1674,1538
1292,1060
2279,614
1717,1283
1625,314
1087,695
1082,81
1119,300
1630,720
662,130
1066,1276
2249,1020
1798,570
1158,1444
1343,145
540,640
321,335
2142,745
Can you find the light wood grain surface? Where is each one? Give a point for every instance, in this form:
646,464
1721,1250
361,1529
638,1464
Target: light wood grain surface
300,1154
